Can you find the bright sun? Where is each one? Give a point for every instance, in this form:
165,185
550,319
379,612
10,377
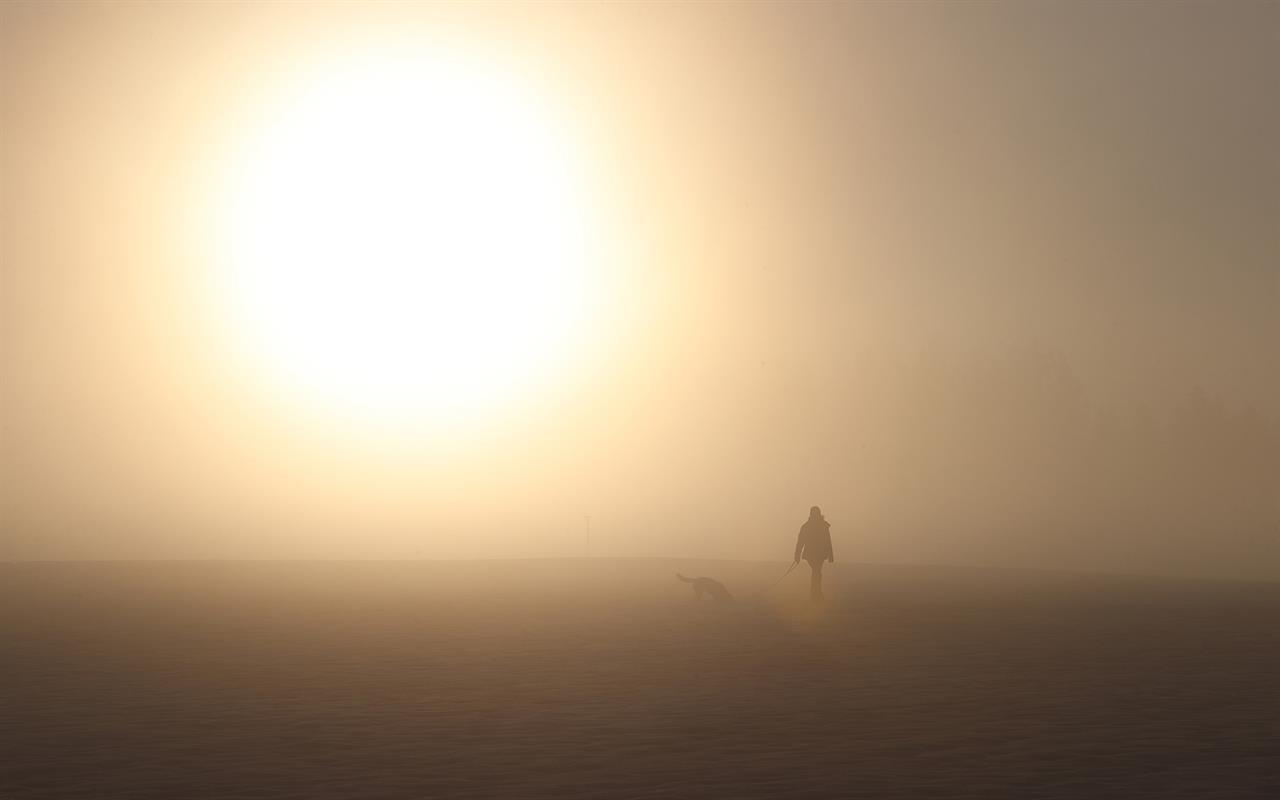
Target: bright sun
406,238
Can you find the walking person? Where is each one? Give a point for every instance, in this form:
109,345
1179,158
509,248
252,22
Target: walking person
814,546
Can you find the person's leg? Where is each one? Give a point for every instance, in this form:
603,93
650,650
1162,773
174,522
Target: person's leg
815,580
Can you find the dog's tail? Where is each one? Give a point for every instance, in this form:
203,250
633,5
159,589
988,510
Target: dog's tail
683,578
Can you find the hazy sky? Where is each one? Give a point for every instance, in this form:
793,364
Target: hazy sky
991,283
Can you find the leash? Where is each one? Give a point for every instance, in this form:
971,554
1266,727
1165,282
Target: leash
794,564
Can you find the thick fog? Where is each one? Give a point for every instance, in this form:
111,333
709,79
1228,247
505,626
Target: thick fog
992,284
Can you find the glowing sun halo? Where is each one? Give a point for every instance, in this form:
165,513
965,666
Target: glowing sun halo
405,237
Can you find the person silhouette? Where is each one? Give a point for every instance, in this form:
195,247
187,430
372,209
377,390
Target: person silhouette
814,545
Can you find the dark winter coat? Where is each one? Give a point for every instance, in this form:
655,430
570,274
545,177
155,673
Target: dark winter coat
814,542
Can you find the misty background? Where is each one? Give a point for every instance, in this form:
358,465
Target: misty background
991,283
